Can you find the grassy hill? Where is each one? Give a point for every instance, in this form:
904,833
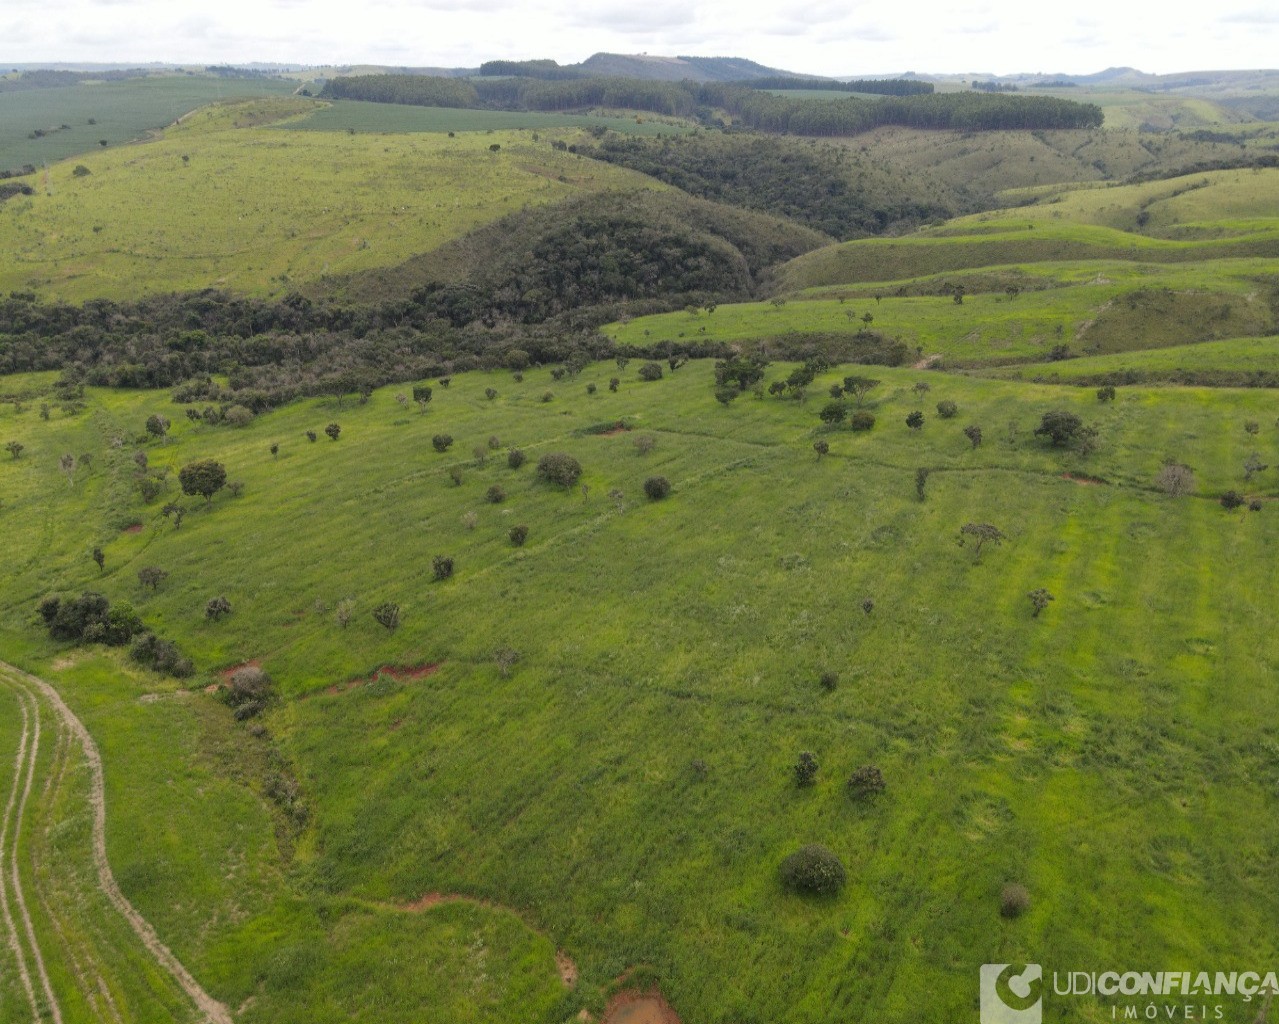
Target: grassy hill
626,786
226,200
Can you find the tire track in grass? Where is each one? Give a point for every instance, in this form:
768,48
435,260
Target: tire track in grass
10,927
212,1010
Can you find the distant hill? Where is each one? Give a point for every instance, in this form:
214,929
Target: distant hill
675,69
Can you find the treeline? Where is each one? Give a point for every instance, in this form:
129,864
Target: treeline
752,107
546,69
807,184
48,78
875,86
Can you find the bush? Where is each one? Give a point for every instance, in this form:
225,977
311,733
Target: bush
333,431
1014,900
441,442
861,420
821,448
829,681
833,413
490,393
495,495
160,656
518,535
650,371
1106,394
814,870
216,608
1060,427
805,769
947,409
248,691
657,487
548,396
515,458
90,618
915,420
442,567
973,434
1231,500
559,468
238,416
387,615
866,781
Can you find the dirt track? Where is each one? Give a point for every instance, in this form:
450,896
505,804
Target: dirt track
31,692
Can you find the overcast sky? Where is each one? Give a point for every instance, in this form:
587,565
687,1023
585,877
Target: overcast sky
832,37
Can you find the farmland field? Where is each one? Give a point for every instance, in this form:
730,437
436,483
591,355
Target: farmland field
122,111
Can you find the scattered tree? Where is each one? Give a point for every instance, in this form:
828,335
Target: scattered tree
813,870
1039,599
422,396
973,433
1253,465
862,420
174,512
915,420
833,413
15,448
644,444
947,409
1106,394
921,388
866,781
343,612
481,456
100,558
613,383
158,426
442,442
518,535
1061,428
152,576
333,431
981,534
495,495
387,615
205,478
68,466
216,608
657,487
650,372
515,458
442,567
559,468
805,769
490,393
456,475
821,448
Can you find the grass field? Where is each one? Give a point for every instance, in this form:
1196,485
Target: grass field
122,111
1114,755
341,115
224,200
1237,356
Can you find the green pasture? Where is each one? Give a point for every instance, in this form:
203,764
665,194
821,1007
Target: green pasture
1116,755
1237,358
122,111
223,201
344,115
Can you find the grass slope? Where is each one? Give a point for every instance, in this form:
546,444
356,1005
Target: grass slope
226,201
1108,754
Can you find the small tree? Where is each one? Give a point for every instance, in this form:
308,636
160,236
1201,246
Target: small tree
559,468
650,372
821,448
614,383
657,487
1039,599
442,442
1253,465
481,456
518,535
1106,394
973,433
275,450
15,448
152,576
921,481
333,431
174,513
860,387
1175,479
311,435
833,413
343,612
494,442
644,444
204,477
505,657
495,495
422,396
470,519
515,458
68,466
947,409
862,420
921,388
1060,427
444,382
158,426
490,393
442,567
813,870
100,558
866,781
456,475
591,388
981,534
915,420
387,615
1231,500
216,608
805,769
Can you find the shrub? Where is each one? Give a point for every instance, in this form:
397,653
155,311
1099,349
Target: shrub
947,409
490,393
644,444
515,458
1060,427
387,615
441,442
238,416
592,388
833,413
650,371
456,475
216,608
821,448
343,612
915,420
495,495
333,431
505,657
866,781
1014,900
248,691
518,535
160,655
494,442
1106,394
559,468
657,487
613,383
548,396
80,171
1231,500
973,434
813,870
921,482
805,769
442,567
1039,598
861,420
311,435
829,681
152,576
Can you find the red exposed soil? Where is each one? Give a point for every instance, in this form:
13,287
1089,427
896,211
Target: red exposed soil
621,428
227,673
1085,481
640,1008
431,899
400,673
133,528
567,969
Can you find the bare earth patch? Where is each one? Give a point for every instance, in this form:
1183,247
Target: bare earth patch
133,528
567,969
1085,481
400,673
640,1008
